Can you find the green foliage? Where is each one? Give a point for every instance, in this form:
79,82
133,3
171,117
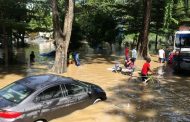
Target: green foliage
40,14
108,20
168,13
157,17
13,20
96,20
76,37
97,23
176,11
13,14
129,16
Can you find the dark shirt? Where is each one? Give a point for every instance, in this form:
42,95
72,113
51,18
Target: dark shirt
32,57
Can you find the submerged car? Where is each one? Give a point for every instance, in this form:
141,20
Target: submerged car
49,54
41,98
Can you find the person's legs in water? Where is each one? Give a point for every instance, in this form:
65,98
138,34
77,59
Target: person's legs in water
144,77
77,62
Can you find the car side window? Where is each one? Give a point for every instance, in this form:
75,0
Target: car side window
50,93
73,89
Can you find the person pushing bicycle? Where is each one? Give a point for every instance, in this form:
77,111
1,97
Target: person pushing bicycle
145,69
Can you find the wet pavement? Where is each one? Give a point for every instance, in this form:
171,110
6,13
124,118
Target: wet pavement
128,99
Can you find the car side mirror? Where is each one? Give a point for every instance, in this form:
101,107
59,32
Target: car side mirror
89,90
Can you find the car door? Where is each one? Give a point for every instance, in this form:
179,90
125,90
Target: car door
49,99
61,108
77,95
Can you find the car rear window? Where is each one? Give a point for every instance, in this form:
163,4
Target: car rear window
15,92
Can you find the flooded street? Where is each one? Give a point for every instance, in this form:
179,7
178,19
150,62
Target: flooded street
128,99
175,91
168,102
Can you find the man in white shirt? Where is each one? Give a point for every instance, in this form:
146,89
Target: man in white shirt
161,54
134,54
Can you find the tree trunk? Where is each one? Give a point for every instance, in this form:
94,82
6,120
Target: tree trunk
143,37
22,38
62,38
138,43
60,64
68,23
156,42
5,45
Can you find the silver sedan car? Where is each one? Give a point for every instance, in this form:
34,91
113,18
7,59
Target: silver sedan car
41,98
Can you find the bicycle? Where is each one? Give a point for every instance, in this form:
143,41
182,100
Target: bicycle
152,81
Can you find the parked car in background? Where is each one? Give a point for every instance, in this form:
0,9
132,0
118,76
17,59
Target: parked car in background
41,98
181,52
50,54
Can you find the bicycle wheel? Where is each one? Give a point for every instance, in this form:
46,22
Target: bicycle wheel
154,83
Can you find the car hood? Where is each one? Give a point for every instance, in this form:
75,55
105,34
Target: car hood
5,103
86,83
89,84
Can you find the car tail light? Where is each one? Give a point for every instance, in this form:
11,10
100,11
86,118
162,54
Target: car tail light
9,114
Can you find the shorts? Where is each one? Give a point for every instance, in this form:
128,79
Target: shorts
161,60
144,77
134,59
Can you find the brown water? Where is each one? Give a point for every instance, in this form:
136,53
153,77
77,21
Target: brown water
128,100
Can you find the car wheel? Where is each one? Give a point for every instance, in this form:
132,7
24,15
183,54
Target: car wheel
97,100
40,120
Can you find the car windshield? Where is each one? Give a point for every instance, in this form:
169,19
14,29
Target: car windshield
182,40
15,92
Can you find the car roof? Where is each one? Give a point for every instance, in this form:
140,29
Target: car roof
182,32
39,81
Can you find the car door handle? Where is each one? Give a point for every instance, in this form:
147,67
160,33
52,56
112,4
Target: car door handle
73,99
45,104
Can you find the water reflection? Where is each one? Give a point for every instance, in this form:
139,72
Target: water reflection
42,64
22,55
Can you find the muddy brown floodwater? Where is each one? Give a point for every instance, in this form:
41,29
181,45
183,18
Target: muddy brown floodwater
128,100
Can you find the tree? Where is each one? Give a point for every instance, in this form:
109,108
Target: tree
143,36
13,22
157,19
40,14
62,37
97,23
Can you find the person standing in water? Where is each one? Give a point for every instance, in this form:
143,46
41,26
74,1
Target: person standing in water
70,58
134,54
32,57
126,53
76,58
